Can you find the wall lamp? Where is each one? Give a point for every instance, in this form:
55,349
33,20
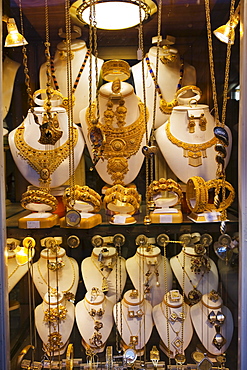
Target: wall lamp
14,38
223,33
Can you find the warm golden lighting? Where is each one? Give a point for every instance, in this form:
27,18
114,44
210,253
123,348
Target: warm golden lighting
113,14
14,38
223,33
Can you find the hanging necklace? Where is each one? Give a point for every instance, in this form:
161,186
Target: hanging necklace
134,339
104,284
67,292
120,143
194,295
42,161
96,316
194,152
55,315
165,107
65,100
152,270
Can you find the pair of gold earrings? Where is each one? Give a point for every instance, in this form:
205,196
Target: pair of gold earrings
192,123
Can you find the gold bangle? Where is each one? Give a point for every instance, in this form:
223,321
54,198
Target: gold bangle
128,200
40,197
165,185
115,68
196,192
184,90
42,102
83,194
70,357
21,355
219,183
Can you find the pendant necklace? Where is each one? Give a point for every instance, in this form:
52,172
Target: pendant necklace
96,316
165,107
104,284
152,270
135,339
65,100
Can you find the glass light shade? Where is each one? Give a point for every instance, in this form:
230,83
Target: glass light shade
223,33
113,14
14,38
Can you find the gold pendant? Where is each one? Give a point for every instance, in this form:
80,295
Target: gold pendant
65,102
104,286
49,130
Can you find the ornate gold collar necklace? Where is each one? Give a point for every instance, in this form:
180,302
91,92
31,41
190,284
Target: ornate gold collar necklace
194,152
44,162
165,107
120,143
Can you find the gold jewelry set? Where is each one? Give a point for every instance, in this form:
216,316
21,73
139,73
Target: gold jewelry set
82,194
197,194
127,196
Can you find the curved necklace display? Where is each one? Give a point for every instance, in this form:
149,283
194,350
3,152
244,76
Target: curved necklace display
65,100
194,152
44,162
120,142
165,107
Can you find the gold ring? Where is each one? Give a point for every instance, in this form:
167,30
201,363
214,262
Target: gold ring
196,194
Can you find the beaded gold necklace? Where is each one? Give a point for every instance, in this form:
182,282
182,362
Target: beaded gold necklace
65,100
120,143
44,162
165,107
194,152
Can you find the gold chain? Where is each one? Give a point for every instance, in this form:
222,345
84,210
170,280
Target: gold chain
104,287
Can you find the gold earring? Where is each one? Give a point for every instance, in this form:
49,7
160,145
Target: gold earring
191,124
202,122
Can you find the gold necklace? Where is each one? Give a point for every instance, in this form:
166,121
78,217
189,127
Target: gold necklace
120,143
54,316
67,293
42,161
148,275
96,338
134,339
104,285
12,273
195,152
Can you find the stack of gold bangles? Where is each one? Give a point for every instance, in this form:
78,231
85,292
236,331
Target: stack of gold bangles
129,196
197,194
83,194
164,185
38,196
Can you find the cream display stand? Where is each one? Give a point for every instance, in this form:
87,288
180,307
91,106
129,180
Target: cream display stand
86,322
66,278
204,282
139,327
175,155
63,326
95,275
206,330
168,79
149,261
170,330
88,219
79,50
165,212
133,112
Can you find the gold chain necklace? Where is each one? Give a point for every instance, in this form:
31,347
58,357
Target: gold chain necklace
134,339
194,152
104,285
42,161
120,142
67,293
96,338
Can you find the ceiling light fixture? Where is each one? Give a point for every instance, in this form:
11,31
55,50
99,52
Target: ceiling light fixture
113,14
227,30
14,38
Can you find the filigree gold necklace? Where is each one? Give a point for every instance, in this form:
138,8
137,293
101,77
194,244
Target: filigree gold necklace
194,152
165,107
120,142
44,162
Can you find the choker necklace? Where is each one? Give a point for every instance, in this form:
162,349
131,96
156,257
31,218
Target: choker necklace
104,285
66,100
194,152
44,162
194,295
68,295
119,143
96,338
165,107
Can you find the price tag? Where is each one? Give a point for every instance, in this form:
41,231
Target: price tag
33,224
165,219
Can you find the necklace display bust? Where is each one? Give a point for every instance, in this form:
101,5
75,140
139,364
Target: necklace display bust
79,50
168,80
54,320
146,271
172,320
195,150
123,142
209,318
133,318
107,272
94,320
30,138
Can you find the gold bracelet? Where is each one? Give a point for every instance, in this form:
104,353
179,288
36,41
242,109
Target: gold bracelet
128,199
70,357
123,190
115,68
83,194
40,197
197,193
185,89
42,102
22,354
213,184
165,185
